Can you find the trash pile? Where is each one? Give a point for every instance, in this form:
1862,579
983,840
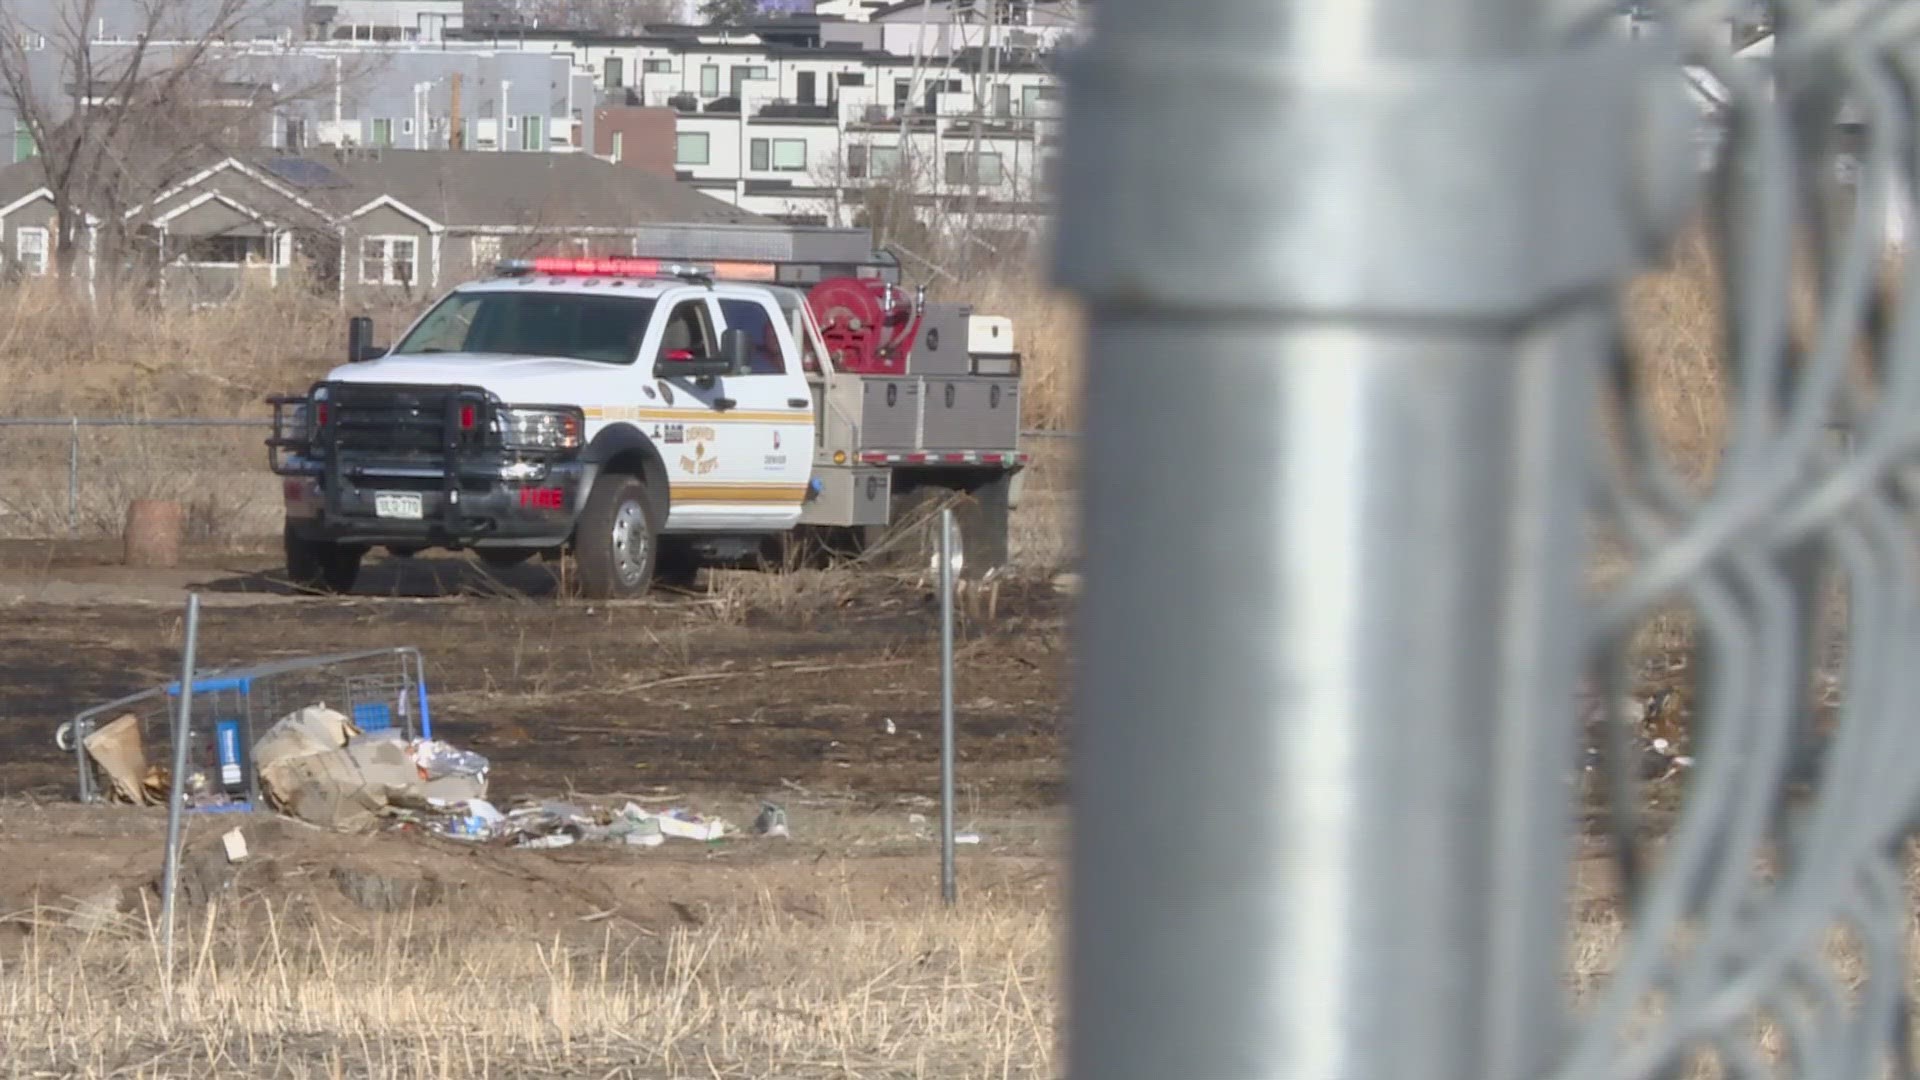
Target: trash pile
317,766
551,824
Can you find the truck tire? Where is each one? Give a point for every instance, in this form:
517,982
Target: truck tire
317,566
616,540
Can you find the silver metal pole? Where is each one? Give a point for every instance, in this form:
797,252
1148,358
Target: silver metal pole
1327,649
177,790
73,475
949,881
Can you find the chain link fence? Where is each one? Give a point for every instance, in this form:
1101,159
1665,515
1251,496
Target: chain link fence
74,477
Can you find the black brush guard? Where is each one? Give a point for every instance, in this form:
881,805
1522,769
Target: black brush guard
391,429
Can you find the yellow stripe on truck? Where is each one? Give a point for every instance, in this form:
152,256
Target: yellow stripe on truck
737,493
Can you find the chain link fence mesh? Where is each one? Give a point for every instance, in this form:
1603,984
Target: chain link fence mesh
1768,928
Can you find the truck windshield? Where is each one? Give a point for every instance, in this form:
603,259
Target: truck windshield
606,329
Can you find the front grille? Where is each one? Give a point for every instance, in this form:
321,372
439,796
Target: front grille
405,420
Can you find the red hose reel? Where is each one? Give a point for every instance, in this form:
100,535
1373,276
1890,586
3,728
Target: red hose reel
869,326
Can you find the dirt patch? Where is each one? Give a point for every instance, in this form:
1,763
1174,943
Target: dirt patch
839,693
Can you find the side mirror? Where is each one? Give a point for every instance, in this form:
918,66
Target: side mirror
681,364
360,346
737,347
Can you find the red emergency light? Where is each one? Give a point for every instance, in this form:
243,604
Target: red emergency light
621,266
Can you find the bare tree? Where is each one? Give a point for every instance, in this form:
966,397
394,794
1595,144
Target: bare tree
116,121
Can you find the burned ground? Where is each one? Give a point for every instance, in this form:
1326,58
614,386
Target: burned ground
760,685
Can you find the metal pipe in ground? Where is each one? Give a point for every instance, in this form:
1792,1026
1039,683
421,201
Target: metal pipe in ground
176,787
949,883
1353,257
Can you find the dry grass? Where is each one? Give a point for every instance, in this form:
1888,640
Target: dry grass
61,356
294,986
755,992
1674,323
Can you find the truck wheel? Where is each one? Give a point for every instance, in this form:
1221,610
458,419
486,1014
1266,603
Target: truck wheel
616,540
316,566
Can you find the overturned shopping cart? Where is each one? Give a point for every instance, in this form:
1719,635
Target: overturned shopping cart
379,689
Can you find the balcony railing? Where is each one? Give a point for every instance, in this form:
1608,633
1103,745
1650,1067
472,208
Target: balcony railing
790,110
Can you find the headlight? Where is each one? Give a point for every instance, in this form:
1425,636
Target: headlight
542,429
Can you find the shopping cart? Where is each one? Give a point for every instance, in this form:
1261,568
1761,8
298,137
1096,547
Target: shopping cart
380,690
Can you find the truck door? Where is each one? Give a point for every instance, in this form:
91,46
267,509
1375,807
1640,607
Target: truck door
738,455
776,454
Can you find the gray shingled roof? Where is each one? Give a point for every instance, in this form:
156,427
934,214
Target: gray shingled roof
477,188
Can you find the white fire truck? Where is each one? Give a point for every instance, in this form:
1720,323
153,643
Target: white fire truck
650,416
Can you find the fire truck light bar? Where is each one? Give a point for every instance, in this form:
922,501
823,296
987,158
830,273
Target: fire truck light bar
641,268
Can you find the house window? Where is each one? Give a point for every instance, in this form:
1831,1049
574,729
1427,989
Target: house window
486,252
658,67
789,155
613,74
710,80
228,250
743,72
852,78
388,260
406,125
533,133
30,250
857,162
23,145
690,148
296,134
804,87
985,169
382,133
883,161
761,156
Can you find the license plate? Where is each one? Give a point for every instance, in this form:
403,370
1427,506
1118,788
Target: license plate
397,504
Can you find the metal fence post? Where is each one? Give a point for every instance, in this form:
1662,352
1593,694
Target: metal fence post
73,475
177,783
1329,623
949,881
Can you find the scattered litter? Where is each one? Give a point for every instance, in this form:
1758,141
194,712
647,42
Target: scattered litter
437,760
316,765
686,825
892,728
966,838
551,840
772,821
916,819
116,749
358,772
